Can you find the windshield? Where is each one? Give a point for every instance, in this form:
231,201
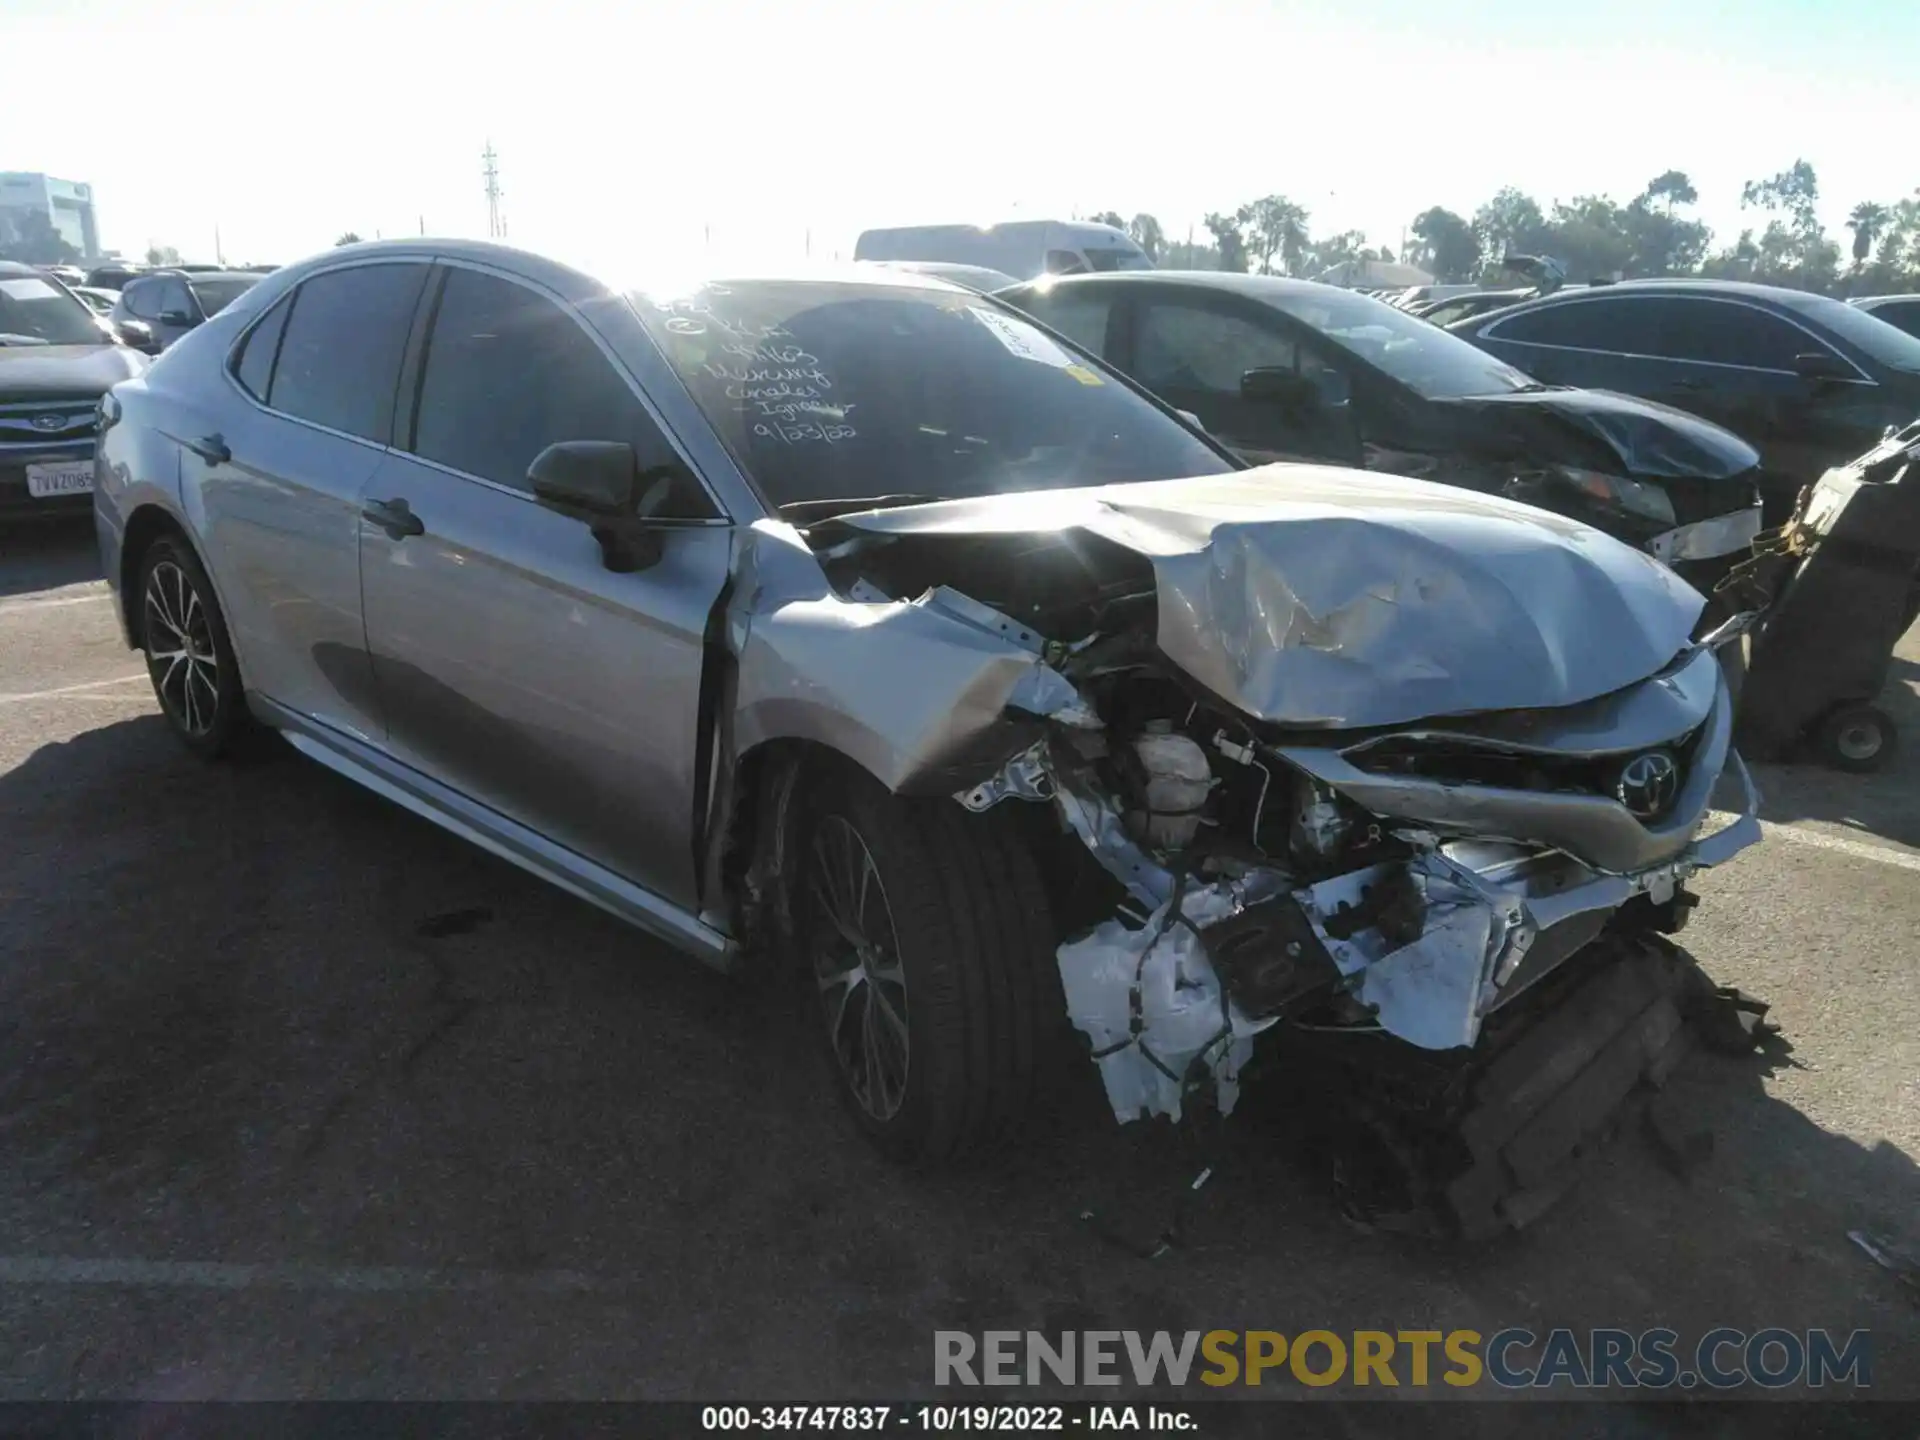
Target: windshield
35,311
1889,345
830,392
1420,355
215,293
1113,259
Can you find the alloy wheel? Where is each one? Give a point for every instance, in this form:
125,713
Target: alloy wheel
856,965
180,650
1859,741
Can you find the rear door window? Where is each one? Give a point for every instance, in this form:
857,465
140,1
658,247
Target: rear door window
508,373
340,354
254,367
1622,325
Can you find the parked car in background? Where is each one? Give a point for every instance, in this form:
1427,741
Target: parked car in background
55,364
1810,381
112,277
856,624
1290,369
68,275
1021,248
1900,311
974,277
1463,307
101,302
156,309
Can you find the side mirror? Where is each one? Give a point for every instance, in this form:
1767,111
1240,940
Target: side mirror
1286,388
1822,365
599,483
138,334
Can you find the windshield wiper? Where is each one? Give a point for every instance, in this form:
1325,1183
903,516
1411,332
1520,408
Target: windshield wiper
802,511
9,339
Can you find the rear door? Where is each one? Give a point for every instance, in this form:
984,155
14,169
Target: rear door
280,470
512,664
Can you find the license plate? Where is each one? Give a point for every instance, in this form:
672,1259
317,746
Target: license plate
74,477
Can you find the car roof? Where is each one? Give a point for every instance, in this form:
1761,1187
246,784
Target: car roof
1258,287
1874,302
14,267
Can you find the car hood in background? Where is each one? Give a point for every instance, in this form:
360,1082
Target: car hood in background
1313,596
30,371
1650,440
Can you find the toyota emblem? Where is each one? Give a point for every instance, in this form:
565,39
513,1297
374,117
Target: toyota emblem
1648,784
49,422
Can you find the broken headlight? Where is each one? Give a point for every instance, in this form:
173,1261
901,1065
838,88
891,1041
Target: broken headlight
1636,497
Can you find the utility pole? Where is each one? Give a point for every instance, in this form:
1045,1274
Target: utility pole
219,256
490,168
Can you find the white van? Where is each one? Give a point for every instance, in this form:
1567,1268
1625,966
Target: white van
1023,249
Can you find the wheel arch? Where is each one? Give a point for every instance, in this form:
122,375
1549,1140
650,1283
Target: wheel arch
146,524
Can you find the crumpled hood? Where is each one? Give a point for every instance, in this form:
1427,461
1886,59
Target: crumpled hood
1313,596
28,372
1650,440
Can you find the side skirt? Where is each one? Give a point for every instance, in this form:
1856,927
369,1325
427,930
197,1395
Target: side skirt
496,834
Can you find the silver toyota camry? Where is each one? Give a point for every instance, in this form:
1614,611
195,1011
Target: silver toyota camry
855,623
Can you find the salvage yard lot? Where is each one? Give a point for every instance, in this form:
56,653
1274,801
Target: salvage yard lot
301,1097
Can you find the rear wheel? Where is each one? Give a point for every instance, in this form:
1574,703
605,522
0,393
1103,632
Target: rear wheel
929,944
189,655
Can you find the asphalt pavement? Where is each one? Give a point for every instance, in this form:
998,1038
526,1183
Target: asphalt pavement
301,1097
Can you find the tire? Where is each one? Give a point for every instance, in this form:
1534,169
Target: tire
188,651
1856,738
953,951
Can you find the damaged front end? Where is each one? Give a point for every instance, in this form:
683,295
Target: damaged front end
1373,771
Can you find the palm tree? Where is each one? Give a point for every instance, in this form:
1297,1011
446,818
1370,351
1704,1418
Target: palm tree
1867,222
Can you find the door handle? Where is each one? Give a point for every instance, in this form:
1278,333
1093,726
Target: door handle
210,448
394,517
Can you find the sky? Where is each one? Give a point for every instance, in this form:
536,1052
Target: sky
645,135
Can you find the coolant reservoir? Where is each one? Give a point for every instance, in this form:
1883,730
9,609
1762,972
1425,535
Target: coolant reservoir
1178,779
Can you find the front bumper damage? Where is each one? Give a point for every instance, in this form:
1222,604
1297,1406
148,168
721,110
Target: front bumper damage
1172,990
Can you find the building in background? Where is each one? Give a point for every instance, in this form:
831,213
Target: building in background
66,206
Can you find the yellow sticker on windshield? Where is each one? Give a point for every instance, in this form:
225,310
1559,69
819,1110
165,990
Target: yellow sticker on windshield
1084,375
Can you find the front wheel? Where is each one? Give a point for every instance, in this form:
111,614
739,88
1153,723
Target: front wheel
930,947
189,655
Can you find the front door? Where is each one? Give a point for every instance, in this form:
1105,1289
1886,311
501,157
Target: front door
512,664
1193,351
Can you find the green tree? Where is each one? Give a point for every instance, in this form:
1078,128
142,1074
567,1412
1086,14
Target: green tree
1148,235
1669,189
1110,217
1662,243
347,239
1794,248
1228,240
1590,237
162,255
1274,225
1509,223
1444,245
1867,221
1348,247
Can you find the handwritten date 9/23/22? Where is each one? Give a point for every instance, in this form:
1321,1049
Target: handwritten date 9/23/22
945,1419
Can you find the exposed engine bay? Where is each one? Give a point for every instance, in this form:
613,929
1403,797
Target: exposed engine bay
1371,777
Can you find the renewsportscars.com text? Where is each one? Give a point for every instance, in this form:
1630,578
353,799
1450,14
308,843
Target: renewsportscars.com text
1512,1359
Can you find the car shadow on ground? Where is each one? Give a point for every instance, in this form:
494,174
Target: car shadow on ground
47,555
263,1014
1885,803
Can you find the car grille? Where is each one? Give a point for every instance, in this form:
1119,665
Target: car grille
48,419
1510,770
